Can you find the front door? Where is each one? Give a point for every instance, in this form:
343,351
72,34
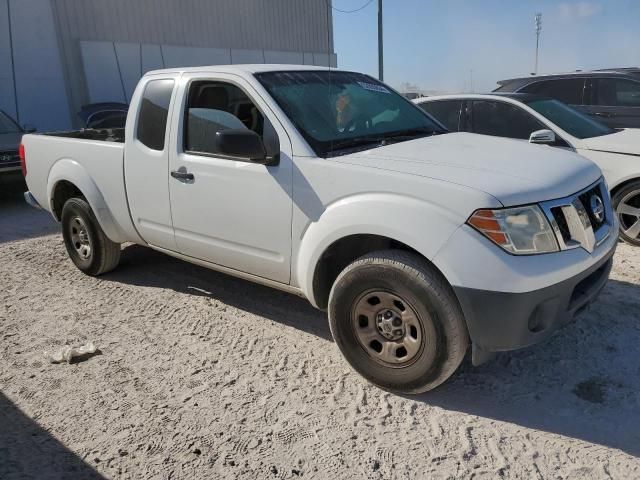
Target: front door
229,211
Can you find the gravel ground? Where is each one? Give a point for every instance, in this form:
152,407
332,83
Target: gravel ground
200,375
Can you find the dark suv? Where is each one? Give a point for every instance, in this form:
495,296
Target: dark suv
611,95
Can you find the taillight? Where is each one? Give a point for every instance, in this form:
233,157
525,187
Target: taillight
23,160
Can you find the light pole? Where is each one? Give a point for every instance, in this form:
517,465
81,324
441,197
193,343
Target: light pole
538,23
380,45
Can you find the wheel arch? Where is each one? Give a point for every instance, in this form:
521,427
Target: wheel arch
68,179
620,185
356,226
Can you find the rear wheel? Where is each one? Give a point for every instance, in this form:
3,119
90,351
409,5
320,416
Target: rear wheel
87,245
626,203
397,322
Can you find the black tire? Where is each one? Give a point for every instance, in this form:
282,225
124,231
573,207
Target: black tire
630,195
80,229
426,295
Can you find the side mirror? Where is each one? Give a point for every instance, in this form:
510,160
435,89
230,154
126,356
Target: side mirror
28,128
242,143
543,137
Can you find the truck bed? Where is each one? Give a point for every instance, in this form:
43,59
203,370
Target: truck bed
102,135
93,161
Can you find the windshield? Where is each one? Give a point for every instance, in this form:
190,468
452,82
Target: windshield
7,125
338,112
571,121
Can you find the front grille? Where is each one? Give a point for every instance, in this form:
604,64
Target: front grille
583,219
562,223
585,198
9,159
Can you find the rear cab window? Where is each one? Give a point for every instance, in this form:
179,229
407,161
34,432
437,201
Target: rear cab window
153,113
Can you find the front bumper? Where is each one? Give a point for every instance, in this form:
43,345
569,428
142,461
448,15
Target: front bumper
502,321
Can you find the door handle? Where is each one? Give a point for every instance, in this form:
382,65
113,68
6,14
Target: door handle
603,114
182,175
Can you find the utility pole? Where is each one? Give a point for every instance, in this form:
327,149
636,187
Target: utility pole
538,23
380,45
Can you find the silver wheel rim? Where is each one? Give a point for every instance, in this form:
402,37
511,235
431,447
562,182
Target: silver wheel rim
387,328
629,214
80,237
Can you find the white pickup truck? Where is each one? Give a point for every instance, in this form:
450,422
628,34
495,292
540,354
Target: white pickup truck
330,185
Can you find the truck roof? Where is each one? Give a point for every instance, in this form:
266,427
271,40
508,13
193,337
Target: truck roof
240,68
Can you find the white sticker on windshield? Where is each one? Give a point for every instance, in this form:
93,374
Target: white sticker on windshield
373,87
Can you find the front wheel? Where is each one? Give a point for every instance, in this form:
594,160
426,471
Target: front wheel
88,246
626,203
397,322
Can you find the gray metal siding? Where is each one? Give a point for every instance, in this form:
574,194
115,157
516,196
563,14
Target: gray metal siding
283,25
29,53
66,53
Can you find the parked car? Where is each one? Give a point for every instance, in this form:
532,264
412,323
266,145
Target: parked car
612,95
413,95
104,115
330,185
10,136
546,121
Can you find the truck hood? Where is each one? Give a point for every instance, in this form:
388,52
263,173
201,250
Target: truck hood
512,171
625,141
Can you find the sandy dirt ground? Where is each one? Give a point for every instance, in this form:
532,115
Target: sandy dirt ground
204,376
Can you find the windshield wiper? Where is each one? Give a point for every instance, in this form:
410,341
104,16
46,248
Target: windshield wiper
382,139
377,140
411,133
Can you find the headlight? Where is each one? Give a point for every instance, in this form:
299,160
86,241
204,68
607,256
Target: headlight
520,230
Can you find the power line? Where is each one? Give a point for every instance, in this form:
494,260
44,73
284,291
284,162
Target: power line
353,11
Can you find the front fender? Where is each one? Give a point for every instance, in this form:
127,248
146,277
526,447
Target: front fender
71,171
423,226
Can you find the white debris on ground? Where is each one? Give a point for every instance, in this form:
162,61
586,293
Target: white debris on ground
234,380
68,353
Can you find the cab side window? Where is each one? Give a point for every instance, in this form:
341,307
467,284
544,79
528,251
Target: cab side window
447,112
502,120
154,110
613,92
213,107
568,90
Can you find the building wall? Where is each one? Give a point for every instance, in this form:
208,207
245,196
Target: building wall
66,53
289,25
112,69
29,54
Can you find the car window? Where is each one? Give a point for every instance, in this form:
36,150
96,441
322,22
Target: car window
446,112
154,110
618,93
216,106
502,120
566,90
568,119
337,112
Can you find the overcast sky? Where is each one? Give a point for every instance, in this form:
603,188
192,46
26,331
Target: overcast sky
436,44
